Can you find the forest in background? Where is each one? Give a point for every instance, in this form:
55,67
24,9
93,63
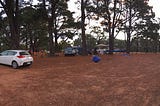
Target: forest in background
50,25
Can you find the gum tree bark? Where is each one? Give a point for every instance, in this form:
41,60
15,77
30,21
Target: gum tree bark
11,9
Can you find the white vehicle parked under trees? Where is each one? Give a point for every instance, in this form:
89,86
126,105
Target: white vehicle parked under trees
16,58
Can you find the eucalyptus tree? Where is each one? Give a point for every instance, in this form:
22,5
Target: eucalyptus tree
99,34
33,28
4,33
148,30
64,25
136,15
148,27
83,17
49,16
120,16
60,21
81,23
11,9
110,14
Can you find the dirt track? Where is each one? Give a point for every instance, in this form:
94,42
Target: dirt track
76,81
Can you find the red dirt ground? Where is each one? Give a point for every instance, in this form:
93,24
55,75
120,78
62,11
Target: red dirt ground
116,80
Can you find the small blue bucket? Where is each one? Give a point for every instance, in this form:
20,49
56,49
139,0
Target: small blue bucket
96,59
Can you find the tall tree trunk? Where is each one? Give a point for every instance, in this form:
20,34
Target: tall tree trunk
17,25
112,29
51,26
129,29
155,42
56,41
50,20
12,14
158,46
55,35
84,49
137,43
51,44
109,28
32,48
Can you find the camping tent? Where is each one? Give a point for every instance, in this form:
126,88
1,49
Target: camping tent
101,48
102,45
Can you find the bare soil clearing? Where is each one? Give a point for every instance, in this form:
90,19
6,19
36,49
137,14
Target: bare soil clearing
116,80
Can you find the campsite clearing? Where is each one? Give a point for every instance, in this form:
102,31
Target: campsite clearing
118,80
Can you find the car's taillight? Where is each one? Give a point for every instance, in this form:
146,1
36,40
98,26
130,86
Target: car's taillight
21,56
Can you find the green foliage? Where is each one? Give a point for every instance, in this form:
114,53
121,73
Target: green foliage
33,29
91,41
33,24
98,33
120,44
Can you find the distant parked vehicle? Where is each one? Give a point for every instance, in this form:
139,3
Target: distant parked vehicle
70,51
16,58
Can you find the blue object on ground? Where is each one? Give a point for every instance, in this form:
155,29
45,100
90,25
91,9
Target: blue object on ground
96,59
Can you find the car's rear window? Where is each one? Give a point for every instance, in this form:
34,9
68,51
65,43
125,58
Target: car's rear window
24,53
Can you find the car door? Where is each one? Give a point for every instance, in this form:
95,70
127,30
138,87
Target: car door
3,57
10,56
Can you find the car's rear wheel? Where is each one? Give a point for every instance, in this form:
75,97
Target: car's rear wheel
14,64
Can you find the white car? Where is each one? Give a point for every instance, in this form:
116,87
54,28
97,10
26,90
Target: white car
16,58
69,51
